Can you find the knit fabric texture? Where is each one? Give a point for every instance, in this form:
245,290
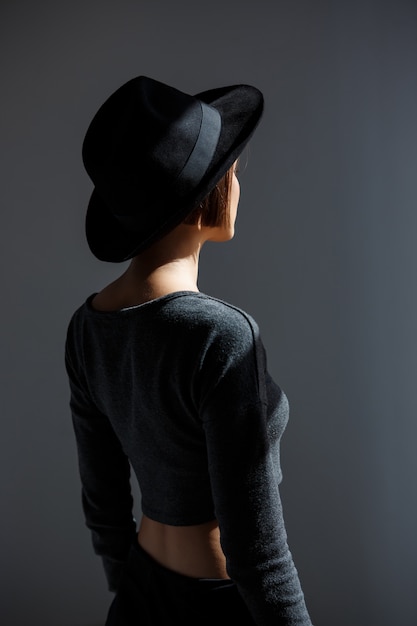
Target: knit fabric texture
178,390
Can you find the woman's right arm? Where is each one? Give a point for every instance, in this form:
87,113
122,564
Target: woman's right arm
244,415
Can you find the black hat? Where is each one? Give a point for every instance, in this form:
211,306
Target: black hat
153,153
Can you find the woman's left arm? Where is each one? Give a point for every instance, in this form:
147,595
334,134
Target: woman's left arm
105,478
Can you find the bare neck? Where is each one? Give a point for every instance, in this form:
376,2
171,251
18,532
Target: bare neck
169,265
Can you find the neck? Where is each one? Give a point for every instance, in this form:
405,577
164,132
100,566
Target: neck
170,264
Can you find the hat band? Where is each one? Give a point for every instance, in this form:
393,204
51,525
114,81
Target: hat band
196,164
204,148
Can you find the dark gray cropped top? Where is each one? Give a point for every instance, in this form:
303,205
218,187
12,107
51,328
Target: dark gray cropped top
178,389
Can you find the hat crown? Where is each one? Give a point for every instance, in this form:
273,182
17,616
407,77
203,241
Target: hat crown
146,132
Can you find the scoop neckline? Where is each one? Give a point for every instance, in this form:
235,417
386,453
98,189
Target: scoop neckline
141,305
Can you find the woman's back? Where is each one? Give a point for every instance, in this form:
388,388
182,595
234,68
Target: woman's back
179,386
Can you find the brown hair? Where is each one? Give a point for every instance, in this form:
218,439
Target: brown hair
214,208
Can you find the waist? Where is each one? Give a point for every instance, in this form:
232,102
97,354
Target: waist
193,551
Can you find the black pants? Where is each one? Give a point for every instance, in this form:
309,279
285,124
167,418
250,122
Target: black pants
151,595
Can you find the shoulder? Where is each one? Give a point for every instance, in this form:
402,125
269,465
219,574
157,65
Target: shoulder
75,326
78,315
210,311
215,322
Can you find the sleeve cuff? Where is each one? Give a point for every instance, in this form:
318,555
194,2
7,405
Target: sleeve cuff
114,572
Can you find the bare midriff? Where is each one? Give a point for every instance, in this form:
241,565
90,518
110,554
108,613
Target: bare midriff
189,550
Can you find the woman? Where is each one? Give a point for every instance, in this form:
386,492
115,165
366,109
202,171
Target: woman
172,382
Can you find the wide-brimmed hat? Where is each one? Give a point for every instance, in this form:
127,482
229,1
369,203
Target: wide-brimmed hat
153,153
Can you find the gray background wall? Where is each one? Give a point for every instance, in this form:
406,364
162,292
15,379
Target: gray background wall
325,259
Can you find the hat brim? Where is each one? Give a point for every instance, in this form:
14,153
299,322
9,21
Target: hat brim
240,107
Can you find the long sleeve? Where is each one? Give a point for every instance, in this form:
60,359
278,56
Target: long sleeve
105,478
244,414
